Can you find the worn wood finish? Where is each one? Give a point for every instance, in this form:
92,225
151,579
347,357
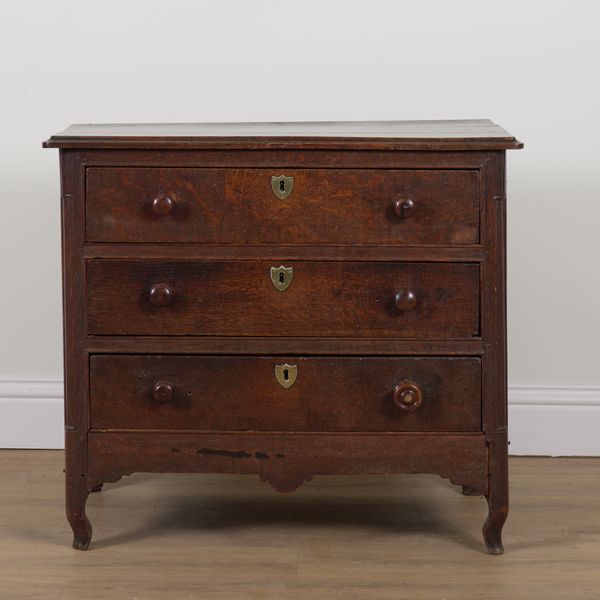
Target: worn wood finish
404,135
75,359
278,157
493,319
326,206
231,298
283,253
369,290
242,393
291,346
287,460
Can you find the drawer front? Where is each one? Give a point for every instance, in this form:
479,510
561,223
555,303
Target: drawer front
324,299
325,206
322,394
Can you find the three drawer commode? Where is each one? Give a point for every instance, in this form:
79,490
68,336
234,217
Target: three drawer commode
285,299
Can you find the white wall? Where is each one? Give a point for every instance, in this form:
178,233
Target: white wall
530,66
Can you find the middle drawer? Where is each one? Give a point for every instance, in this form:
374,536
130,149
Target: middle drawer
238,393
298,298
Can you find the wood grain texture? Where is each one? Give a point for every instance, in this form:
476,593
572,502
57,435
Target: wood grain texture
287,460
338,299
494,382
217,252
326,206
75,359
447,135
291,346
228,537
293,158
359,293
242,393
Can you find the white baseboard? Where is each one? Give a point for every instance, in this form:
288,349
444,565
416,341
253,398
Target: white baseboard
543,420
554,420
31,414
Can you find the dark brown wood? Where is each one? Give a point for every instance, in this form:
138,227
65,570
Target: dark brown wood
326,206
162,391
405,300
161,206
286,460
408,395
403,135
161,294
285,345
278,158
495,418
403,208
284,253
394,324
75,359
242,394
338,299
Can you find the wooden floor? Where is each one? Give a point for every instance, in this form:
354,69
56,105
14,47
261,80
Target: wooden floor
219,536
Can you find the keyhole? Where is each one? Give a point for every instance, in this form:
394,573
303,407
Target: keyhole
281,278
282,186
286,375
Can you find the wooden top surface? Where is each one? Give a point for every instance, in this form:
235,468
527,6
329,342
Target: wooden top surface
475,134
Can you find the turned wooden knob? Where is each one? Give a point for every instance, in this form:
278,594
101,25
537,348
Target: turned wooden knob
163,391
405,300
162,205
404,207
161,295
407,395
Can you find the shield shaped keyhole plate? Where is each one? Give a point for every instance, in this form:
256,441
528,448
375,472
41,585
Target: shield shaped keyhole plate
282,185
282,277
286,375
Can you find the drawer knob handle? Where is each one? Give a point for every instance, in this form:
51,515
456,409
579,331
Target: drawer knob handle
163,391
404,207
163,206
405,300
408,395
161,295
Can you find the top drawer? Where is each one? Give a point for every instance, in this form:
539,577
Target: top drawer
245,206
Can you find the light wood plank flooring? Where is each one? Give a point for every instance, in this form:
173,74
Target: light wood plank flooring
220,536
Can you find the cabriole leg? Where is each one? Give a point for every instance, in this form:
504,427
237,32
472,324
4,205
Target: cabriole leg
77,491
80,524
492,528
497,497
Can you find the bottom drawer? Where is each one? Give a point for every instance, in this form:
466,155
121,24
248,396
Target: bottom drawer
247,393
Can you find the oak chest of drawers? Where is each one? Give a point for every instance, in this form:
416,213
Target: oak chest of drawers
285,300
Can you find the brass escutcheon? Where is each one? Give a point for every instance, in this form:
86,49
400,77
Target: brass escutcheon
286,375
282,277
282,185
